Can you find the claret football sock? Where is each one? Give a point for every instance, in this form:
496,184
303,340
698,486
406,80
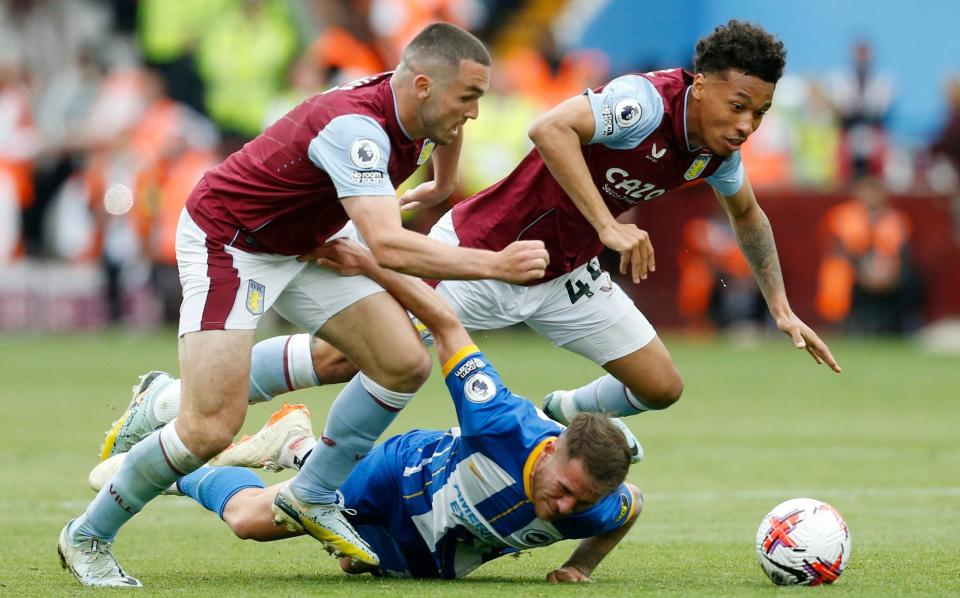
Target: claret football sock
605,395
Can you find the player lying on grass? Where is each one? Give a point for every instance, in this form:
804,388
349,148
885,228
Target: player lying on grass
437,503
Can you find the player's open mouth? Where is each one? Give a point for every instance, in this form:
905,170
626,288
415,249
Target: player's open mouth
733,143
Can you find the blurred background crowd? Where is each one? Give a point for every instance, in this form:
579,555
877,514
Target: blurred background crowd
856,165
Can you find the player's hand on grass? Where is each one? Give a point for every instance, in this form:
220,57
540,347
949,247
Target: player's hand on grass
343,256
568,574
805,338
634,246
522,261
422,196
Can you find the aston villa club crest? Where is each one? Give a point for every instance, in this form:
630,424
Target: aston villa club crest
256,293
699,164
426,151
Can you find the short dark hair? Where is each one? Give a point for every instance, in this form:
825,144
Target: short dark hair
743,47
446,43
601,447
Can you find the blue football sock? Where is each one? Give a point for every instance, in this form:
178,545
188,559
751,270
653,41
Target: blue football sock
151,466
355,422
607,395
279,365
213,487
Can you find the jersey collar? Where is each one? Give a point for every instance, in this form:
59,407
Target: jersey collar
686,137
528,466
396,109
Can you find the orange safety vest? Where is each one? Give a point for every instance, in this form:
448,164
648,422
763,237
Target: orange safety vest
852,233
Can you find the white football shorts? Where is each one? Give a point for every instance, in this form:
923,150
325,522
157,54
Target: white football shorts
225,288
584,311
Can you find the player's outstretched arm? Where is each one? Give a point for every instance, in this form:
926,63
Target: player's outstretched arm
591,551
396,248
350,258
558,136
755,237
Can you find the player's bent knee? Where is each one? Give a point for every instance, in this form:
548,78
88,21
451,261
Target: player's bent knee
674,391
408,372
663,395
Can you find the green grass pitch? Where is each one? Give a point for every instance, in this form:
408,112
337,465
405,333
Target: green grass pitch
756,426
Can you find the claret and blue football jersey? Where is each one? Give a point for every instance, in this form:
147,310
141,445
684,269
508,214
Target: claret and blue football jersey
639,151
440,504
281,193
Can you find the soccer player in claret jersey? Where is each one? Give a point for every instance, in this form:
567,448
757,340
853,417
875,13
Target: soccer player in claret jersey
436,503
336,157
597,155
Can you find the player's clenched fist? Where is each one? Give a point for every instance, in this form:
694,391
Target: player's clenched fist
522,261
343,256
634,246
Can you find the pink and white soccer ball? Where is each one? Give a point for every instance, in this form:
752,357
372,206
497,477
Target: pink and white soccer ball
803,542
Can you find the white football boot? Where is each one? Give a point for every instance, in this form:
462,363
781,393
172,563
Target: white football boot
138,421
104,471
636,449
92,562
551,406
325,523
263,449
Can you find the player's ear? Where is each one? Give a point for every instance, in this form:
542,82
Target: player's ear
423,86
550,448
697,87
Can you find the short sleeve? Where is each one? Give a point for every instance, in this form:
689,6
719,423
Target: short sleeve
625,111
613,510
488,409
354,151
728,179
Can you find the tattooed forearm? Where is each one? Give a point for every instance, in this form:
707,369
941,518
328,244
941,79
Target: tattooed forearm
756,241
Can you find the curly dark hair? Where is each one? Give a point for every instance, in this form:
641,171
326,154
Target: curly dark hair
743,47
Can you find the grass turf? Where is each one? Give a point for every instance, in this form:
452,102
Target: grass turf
756,426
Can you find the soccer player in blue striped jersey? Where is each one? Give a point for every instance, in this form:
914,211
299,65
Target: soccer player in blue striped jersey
437,503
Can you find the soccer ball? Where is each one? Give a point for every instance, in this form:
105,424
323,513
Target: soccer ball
803,542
